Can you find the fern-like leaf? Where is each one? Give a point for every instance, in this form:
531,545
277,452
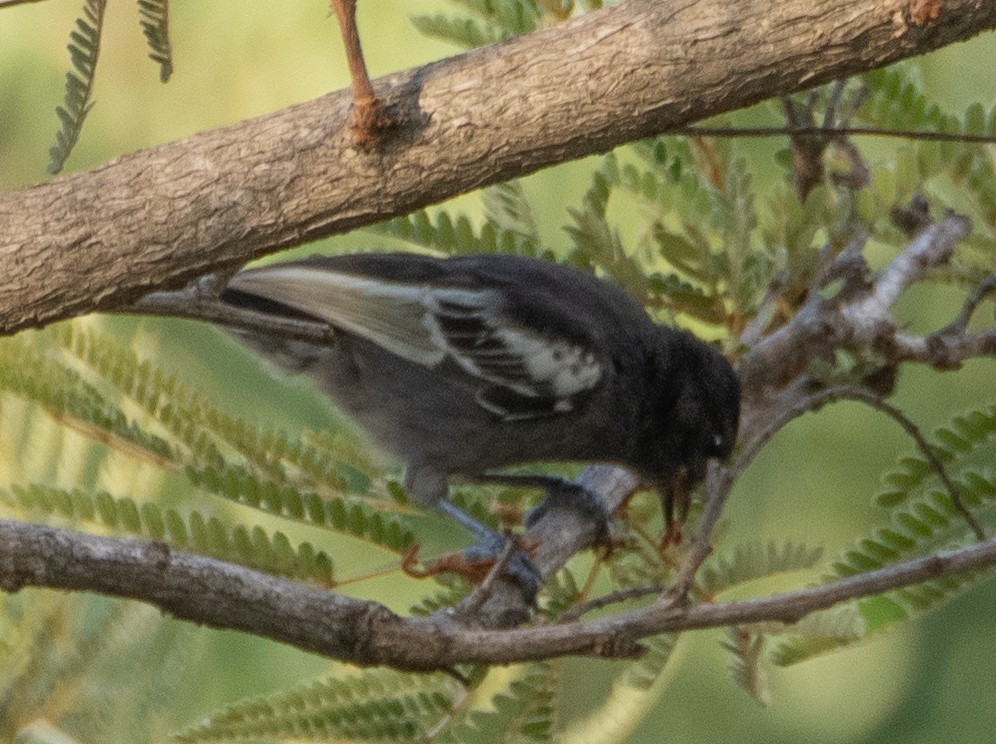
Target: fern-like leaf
154,20
494,22
373,706
84,48
820,633
747,663
204,428
509,713
536,723
350,516
448,234
896,101
643,673
509,211
83,649
465,33
38,377
447,597
560,592
923,521
960,436
753,561
207,535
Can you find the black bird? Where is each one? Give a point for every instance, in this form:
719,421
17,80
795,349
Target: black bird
462,366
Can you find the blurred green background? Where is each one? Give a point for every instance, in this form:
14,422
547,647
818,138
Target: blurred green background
933,682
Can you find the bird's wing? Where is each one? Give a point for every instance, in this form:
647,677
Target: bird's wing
522,372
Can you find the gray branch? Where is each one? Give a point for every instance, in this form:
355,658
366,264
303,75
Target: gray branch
221,595
858,316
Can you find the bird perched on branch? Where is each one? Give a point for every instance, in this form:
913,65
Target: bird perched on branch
463,366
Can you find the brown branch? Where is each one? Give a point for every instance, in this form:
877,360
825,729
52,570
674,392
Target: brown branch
952,345
222,595
156,218
945,350
557,536
718,486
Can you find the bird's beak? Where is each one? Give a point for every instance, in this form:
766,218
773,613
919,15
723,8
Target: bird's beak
676,497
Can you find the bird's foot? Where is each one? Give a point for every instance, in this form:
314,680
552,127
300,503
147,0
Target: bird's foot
504,556
482,564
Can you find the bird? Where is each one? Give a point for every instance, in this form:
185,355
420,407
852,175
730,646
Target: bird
467,365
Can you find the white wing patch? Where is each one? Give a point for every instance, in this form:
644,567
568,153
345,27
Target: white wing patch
524,373
390,314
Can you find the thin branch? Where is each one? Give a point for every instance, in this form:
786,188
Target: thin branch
222,595
933,246
857,317
943,350
554,539
696,130
482,591
853,392
619,595
719,483
986,289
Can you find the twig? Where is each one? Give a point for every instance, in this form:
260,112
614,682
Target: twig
943,350
367,118
620,595
933,246
701,131
483,590
719,483
853,392
959,325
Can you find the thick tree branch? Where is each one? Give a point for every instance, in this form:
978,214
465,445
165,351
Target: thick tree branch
221,595
158,217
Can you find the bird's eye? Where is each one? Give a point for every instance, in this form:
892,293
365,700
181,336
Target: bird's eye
717,442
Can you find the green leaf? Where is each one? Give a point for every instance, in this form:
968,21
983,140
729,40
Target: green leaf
84,48
343,514
154,20
821,633
373,705
752,561
962,435
205,534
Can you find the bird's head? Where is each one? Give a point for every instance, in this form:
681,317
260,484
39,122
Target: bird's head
693,418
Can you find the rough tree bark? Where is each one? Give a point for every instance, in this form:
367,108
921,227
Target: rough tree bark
154,218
